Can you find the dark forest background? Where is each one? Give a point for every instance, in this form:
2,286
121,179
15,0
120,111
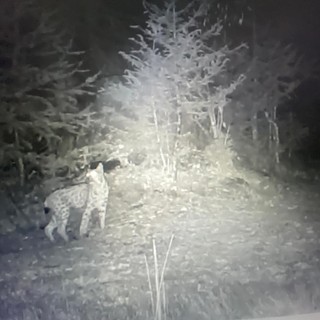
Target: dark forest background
241,77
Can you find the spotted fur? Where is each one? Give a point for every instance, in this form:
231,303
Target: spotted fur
93,194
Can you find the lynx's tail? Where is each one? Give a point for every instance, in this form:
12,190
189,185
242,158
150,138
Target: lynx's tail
46,208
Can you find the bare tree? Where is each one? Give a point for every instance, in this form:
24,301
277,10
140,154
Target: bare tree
174,80
272,76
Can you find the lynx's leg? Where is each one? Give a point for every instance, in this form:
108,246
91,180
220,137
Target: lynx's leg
63,233
52,225
63,224
102,210
85,221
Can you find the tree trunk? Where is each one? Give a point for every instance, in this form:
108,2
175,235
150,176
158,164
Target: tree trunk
19,160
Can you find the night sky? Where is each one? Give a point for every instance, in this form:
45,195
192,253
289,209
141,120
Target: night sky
296,21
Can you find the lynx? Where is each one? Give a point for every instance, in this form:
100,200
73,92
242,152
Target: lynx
86,196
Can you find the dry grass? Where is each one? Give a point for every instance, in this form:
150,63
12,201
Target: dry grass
158,293
138,188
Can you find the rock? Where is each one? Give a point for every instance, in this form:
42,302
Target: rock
107,165
137,158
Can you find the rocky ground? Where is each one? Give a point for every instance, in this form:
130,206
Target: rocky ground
240,249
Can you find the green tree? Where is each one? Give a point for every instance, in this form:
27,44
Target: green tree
42,84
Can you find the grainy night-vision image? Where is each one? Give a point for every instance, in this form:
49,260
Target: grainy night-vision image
159,159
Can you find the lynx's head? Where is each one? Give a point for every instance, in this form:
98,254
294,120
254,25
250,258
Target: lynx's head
96,175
